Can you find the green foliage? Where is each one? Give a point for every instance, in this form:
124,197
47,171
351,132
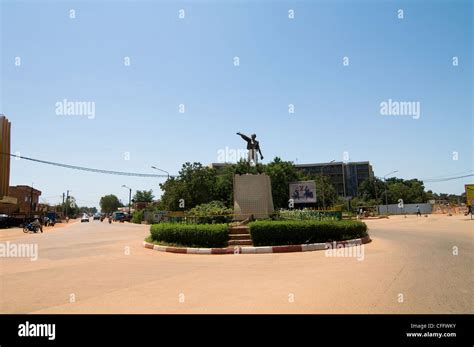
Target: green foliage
143,196
373,189
281,174
411,191
274,233
191,235
224,187
325,191
307,214
137,217
196,184
212,212
109,203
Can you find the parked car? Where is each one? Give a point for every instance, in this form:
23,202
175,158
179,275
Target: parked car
118,216
85,218
6,221
97,216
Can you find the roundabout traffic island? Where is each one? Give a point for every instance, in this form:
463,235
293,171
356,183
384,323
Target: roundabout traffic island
256,237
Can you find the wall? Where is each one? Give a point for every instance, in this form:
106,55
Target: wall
407,208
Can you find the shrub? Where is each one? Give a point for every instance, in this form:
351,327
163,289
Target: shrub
137,217
191,235
307,214
212,212
274,233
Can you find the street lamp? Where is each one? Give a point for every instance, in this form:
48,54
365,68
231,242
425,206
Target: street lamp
385,181
166,172
129,200
322,183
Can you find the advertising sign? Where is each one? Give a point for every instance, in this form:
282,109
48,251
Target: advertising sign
469,194
303,192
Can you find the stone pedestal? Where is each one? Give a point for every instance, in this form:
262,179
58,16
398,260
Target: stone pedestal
252,196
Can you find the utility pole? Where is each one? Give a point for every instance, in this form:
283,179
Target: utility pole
344,186
62,208
129,200
67,202
31,200
166,172
376,195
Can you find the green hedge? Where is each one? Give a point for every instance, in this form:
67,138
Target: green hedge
191,235
275,233
210,213
137,217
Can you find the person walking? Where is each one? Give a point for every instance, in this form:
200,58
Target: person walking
38,224
418,212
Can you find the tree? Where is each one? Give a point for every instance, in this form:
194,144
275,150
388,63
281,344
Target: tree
195,185
410,191
143,196
324,186
281,174
224,190
109,203
72,208
372,189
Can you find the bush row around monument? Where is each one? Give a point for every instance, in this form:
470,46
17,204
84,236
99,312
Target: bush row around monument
190,235
263,233
277,233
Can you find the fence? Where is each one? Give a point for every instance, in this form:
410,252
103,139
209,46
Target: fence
425,208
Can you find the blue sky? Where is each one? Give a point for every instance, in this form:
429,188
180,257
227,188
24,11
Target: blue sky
190,61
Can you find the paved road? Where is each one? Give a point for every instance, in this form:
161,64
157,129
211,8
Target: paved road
102,268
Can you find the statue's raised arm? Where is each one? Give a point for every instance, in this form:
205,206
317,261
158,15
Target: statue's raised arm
245,137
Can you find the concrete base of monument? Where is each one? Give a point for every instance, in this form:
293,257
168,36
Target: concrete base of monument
263,249
252,196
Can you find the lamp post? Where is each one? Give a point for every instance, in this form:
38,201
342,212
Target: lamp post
322,183
385,181
166,172
129,200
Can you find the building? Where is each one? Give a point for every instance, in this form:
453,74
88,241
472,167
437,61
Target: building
5,127
345,177
6,201
27,199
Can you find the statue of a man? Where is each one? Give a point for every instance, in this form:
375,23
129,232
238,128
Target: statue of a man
253,147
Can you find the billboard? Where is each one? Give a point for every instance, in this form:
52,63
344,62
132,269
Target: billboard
469,194
303,192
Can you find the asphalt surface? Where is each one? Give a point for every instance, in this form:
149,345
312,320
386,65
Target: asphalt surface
101,268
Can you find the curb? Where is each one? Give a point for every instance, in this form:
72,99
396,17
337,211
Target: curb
258,250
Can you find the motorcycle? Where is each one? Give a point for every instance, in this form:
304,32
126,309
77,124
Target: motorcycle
49,222
30,227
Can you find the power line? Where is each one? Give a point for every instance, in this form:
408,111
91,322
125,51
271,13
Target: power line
74,167
446,179
449,175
